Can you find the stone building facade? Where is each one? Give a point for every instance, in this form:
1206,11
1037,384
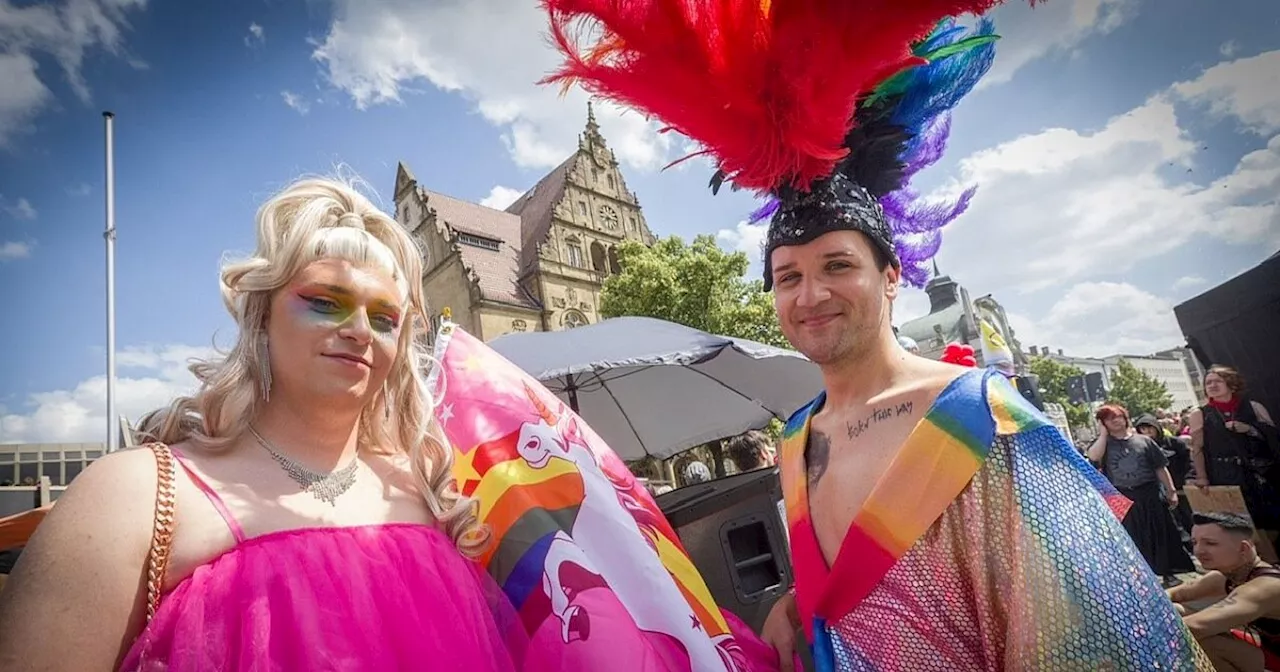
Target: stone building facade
536,266
953,318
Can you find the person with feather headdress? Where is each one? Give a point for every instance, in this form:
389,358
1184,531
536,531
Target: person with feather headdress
937,520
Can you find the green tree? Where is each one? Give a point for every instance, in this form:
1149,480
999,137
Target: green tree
698,285
1137,391
1053,387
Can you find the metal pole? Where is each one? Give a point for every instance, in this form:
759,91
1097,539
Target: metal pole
571,386
113,425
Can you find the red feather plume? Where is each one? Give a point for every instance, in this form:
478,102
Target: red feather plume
766,86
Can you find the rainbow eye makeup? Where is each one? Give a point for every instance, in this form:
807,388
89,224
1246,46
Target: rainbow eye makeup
382,318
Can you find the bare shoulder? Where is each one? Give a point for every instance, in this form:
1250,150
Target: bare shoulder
1261,412
930,378
1264,589
80,577
117,488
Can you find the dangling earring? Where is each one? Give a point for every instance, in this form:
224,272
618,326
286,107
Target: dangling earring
386,401
264,370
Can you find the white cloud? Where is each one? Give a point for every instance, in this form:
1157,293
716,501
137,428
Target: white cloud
489,51
749,239
149,377
257,36
1097,319
65,31
910,304
1050,28
493,51
1061,205
22,94
14,250
80,189
1229,48
1056,209
22,209
1189,282
296,101
500,197
1247,89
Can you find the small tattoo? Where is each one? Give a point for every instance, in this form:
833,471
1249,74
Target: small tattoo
856,428
817,455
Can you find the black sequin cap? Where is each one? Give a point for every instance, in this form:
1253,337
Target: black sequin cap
834,204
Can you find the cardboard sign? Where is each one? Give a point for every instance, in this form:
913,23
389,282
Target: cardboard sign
1227,499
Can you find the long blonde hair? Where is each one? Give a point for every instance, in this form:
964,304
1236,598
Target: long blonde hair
316,219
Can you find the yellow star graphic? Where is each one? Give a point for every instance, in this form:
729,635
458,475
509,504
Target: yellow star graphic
464,469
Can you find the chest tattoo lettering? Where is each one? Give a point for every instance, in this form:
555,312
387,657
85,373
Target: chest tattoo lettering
857,427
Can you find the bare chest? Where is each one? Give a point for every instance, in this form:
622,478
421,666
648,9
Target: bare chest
845,460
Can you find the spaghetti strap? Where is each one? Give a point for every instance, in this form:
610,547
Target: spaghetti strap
232,523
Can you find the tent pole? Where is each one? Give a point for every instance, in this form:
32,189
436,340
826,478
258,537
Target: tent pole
571,387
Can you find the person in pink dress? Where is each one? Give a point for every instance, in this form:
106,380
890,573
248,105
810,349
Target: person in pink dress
298,512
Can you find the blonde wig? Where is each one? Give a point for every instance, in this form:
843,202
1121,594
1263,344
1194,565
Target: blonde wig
309,220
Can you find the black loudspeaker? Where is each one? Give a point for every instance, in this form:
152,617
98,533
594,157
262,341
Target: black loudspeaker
734,531
1097,391
1029,387
1075,390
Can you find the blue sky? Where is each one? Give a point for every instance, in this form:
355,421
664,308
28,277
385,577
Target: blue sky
1127,155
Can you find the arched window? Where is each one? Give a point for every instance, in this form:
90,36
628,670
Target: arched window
574,256
614,267
573,319
599,260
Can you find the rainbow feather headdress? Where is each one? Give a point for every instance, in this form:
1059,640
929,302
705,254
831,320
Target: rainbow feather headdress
827,108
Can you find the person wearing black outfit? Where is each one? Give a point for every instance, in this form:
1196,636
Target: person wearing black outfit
1235,442
1241,629
1137,467
1178,453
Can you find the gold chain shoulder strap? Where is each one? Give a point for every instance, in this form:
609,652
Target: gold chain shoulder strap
162,528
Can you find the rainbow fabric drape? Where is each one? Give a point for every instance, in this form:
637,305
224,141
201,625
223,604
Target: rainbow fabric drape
598,576
989,544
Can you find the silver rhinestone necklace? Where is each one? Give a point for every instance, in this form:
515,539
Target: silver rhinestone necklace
326,487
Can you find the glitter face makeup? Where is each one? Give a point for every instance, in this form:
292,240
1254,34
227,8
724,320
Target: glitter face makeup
334,330
334,305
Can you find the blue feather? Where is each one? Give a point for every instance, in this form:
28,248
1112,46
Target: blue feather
936,87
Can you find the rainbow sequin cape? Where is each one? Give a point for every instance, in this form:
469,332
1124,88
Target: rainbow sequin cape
988,544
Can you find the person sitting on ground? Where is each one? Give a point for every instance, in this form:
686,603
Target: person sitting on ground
750,451
1241,631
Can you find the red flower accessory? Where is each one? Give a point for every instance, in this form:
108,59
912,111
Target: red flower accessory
960,354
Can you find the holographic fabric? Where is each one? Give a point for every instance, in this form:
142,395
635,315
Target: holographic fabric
989,544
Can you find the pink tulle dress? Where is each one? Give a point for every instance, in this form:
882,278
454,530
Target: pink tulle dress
377,597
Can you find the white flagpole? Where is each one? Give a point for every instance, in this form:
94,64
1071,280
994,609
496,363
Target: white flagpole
113,424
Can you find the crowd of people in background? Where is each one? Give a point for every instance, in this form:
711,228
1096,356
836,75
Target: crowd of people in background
1233,606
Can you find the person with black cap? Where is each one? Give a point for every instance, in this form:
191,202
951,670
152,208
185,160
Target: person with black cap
937,520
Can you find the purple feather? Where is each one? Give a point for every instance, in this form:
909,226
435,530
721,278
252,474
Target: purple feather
765,211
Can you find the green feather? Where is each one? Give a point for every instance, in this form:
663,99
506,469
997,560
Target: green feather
955,48
898,82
